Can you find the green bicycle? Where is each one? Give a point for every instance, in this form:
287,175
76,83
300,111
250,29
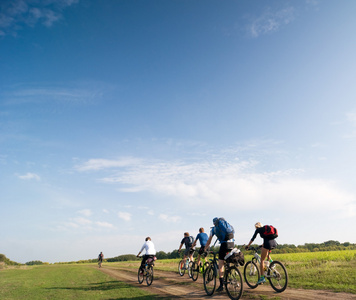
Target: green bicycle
195,268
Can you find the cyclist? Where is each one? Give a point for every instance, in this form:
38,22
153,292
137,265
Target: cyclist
268,245
203,238
189,249
223,238
100,259
150,252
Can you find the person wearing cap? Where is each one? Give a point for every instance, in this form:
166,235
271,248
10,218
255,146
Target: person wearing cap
150,251
268,245
222,251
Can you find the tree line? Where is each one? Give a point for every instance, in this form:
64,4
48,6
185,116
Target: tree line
282,248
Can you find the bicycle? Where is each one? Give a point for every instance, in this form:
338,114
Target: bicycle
232,278
275,272
100,263
194,268
147,271
183,266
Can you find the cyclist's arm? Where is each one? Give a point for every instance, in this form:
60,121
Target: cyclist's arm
208,242
180,247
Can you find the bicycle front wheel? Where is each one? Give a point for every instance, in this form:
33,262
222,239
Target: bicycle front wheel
277,276
190,273
181,267
149,275
251,274
209,278
194,271
140,276
233,283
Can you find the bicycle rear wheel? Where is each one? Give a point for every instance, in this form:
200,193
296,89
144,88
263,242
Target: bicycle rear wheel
149,275
181,267
277,276
140,276
233,283
194,271
251,274
209,278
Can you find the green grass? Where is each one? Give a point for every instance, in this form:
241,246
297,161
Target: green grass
330,270
64,282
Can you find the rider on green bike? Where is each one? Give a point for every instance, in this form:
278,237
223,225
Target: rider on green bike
203,238
225,234
269,243
150,251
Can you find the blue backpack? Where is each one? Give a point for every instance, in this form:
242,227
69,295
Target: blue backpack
223,230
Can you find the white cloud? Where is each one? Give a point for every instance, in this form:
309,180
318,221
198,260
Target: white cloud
17,14
30,176
104,224
86,212
271,21
125,216
99,164
235,183
167,218
82,221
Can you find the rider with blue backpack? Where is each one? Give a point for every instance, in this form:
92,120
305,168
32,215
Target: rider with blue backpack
225,234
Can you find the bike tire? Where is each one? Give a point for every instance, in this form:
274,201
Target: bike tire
194,270
190,269
209,279
181,269
251,274
234,283
277,276
149,275
140,276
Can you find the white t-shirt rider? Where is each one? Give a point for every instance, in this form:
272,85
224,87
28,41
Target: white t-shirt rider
149,247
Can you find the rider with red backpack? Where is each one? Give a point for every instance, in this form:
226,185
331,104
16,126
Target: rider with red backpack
269,234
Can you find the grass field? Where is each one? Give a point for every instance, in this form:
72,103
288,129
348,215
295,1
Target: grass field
332,270
67,281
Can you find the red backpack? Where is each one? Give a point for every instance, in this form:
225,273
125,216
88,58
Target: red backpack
270,232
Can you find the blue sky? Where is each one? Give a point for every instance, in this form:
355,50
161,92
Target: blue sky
126,119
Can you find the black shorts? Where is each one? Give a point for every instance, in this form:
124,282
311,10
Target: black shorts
201,250
269,244
223,250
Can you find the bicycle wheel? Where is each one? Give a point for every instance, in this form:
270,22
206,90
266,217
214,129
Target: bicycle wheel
149,275
251,274
140,276
181,268
209,278
194,271
190,265
233,283
277,276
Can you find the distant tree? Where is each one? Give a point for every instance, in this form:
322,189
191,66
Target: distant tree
161,255
34,262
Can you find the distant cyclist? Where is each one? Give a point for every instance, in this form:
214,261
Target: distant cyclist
189,249
269,243
149,247
203,238
225,233
100,259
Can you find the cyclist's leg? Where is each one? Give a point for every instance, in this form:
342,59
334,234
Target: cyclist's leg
222,252
143,262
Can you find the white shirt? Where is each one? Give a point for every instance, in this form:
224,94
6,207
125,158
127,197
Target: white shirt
149,247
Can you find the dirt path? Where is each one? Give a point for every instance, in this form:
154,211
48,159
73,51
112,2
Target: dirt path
169,285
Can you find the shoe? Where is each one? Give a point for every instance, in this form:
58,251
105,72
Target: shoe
261,280
220,288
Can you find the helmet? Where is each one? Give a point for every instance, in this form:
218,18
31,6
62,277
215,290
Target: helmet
215,220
